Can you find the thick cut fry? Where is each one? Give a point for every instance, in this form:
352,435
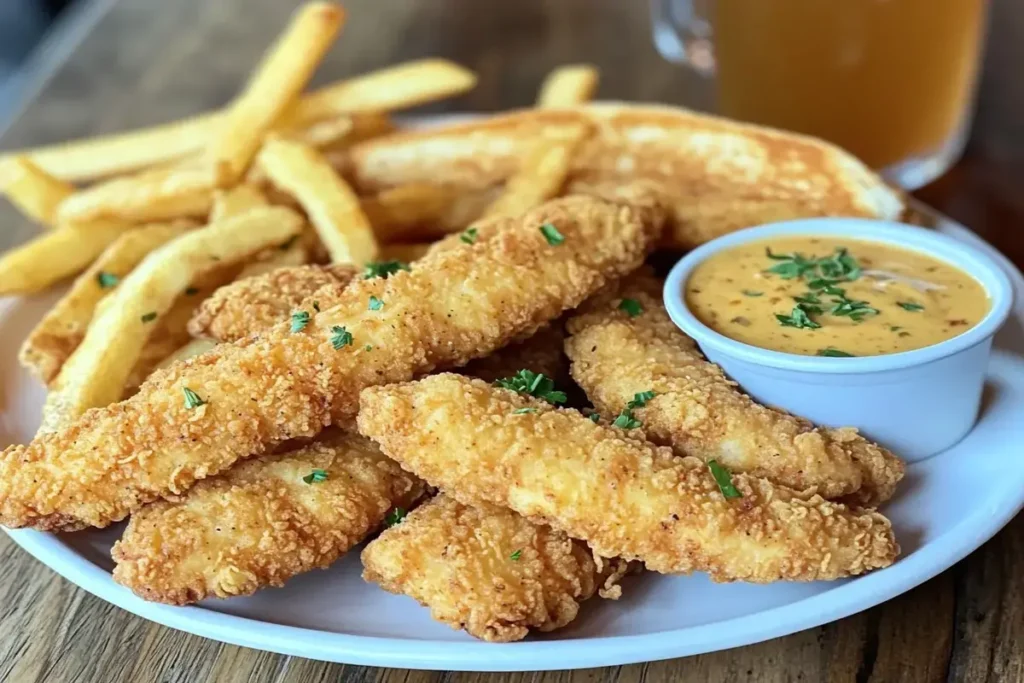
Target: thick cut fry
487,570
179,192
262,522
698,411
283,385
36,193
406,253
623,496
96,373
46,259
568,86
409,211
61,330
274,87
541,175
252,305
329,202
237,200
397,87
286,256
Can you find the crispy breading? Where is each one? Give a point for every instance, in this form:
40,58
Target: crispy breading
623,496
698,411
542,353
255,303
262,522
487,569
281,385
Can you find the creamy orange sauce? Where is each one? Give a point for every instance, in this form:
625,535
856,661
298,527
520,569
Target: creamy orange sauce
814,298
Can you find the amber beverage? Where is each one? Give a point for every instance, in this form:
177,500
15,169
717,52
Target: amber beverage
890,80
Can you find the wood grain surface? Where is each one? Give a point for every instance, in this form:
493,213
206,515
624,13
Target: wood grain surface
127,63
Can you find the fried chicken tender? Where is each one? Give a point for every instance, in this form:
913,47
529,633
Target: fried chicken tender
623,496
255,303
487,569
284,384
262,522
542,353
698,411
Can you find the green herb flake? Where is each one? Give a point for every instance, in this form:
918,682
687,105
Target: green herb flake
524,411
632,307
316,306
383,269
192,399
594,417
830,352
516,555
533,384
368,347
469,236
724,480
106,280
895,328
640,399
395,517
148,317
340,337
625,420
750,292
376,304
910,306
551,234
299,320
315,477
798,319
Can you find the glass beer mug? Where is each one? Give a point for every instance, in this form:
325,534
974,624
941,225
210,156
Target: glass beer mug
892,81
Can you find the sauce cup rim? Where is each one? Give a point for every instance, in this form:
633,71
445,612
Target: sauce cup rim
914,238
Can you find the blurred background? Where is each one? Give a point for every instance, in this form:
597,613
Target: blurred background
23,25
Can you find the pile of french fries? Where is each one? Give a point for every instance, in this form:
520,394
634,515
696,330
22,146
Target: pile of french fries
154,220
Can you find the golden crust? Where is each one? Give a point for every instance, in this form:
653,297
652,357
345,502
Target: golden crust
717,175
487,570
623,496
280,385
698,411
260,523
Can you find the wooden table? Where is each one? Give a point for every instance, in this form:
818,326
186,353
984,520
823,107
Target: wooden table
127,63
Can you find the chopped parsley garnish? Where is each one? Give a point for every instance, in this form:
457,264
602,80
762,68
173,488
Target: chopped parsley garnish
910,306
533,384
641,399
316,306
395,517
192,291
798,319
469,235
315,477
340,337
823,275
192,399
594,417
750,292
376,304
632,307
855,310
148,317
383,269
551,234
523,411
895,328
516,555
299,320
625,420
831,352
724,480
368,347
106,280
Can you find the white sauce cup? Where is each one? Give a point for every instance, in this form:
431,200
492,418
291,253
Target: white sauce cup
916,403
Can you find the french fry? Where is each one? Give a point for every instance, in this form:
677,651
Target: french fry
330,203
273,88
155,195
407,253
35,192
568,86
96,373
63,327
397,87
400,211
196,347
295,254
540,177
237,200
323,134
51,257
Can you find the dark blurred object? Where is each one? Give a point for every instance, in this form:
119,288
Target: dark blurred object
23,24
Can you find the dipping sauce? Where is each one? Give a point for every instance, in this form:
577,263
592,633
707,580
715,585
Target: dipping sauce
828,296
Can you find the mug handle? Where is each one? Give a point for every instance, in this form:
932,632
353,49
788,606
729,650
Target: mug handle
682,33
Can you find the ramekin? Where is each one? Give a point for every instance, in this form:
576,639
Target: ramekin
916,403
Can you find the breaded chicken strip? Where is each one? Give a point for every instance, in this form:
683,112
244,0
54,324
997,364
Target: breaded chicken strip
623,496
698,411
262,522
487,569
196,418
542,353
256,303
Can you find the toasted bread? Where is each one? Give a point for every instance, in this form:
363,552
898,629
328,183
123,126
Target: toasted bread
716,174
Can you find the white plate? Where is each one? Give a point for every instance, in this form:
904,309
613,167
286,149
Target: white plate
947,507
